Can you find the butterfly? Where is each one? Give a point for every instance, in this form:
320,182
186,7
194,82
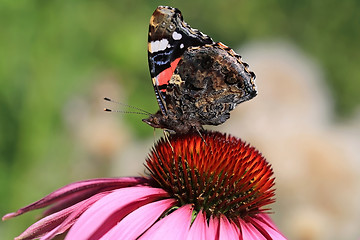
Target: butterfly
197,81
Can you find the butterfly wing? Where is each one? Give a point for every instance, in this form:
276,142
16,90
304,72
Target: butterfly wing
169,37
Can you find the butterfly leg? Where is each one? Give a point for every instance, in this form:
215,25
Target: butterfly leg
199,132
167,134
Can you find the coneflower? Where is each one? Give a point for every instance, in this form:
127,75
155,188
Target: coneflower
212,186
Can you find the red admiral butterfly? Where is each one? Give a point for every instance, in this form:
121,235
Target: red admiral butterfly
196,81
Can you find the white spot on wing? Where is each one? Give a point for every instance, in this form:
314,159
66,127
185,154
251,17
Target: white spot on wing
176,36
159,45
181,46
163,44
156,81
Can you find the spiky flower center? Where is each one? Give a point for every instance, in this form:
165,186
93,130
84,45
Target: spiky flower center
218,174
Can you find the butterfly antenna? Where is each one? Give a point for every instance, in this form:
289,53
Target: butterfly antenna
126,105
119,111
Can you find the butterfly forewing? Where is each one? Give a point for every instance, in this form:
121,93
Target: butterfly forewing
169,37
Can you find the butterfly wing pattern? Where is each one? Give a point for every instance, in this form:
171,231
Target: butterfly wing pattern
196,81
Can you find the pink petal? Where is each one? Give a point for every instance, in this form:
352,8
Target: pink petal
266,219
212,231
54,221
228,230
108,211
198,227
270,230
70,200
174,226
137,222
249,232
70,220
72,191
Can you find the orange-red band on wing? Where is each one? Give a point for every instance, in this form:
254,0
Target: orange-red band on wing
165,76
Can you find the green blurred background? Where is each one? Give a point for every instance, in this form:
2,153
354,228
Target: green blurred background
53,51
